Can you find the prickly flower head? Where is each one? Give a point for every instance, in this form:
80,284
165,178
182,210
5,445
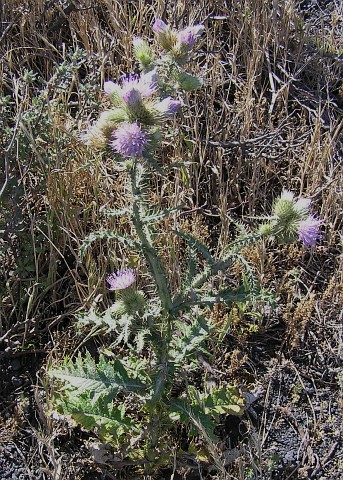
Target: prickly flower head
146,85
188,37
309,230
133,88
130,301
159,26
99,134
292,221
167,107
165,36
129,140
121,279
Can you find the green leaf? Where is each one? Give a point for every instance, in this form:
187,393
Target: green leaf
155,217
225,400
194,243
107,235
140,338
199,421
192,337
227,295
102,379
109,420
188,82
116,212
192,265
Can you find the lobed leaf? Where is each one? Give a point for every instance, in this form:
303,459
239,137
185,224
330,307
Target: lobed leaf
182,411
224,400
108,419
194,243
103,379
107,235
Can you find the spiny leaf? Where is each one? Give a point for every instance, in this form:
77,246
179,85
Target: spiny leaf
92,317
242,242
116,212
191,339
102,379
110,420
194,243
140,339
249,271
182,411
227,295
191,265
153,164
224,400
155,217
107,235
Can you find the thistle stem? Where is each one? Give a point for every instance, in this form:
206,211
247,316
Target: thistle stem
154,262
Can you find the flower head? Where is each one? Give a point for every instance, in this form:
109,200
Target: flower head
188,37
165,36
168,107
292,220
131,97
129,140
122,279
111,88
133,88
159,26
287,195
302,205
309,230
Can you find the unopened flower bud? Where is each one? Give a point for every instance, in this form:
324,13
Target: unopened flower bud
266,229
143,54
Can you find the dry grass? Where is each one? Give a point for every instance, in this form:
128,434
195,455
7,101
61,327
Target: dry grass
268,117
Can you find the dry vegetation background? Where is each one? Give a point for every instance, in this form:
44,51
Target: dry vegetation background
268,117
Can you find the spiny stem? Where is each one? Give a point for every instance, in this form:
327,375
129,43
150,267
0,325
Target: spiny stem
154,262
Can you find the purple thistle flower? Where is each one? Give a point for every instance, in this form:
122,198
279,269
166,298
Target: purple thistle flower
159,26
131,97
129,140
189,35
145,86
168,106
308,230
148,84
122,279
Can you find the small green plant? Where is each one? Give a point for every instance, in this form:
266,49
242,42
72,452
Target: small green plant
136,399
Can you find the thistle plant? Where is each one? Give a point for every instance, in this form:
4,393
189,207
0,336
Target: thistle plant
131,401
